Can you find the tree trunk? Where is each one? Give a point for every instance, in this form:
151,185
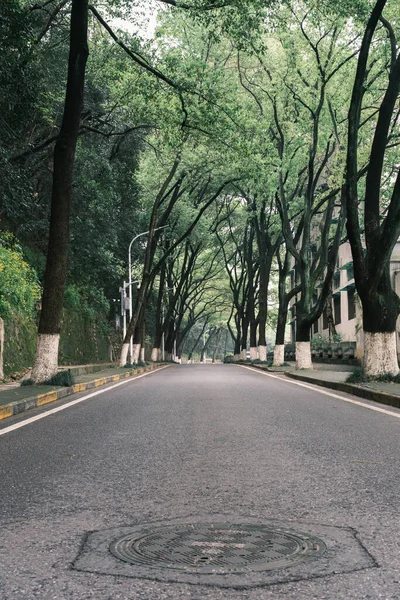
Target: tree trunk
46,359
279,355
330,316
303,347
279,350
253,340
155,353
238,344
265,271
143,341
380,310
216,346
243,348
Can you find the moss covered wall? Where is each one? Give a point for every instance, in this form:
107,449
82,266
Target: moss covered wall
19,343
84,339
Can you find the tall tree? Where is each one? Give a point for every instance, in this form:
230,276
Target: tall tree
381,208
46,358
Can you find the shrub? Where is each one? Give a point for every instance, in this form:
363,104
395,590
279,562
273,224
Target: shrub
63,378
357,376
19,287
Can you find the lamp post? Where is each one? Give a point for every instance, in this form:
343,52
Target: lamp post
130,278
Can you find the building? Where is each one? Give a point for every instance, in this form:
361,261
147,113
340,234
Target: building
346,312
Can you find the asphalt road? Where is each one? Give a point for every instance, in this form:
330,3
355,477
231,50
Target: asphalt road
190,443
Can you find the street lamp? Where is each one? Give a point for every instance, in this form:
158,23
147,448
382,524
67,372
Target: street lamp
130,278
124,304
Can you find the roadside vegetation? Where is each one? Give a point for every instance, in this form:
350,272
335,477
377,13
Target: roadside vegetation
233,148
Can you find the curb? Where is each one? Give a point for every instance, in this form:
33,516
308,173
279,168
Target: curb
265,368
356,390
19,406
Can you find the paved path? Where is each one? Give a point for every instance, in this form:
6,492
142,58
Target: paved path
191,442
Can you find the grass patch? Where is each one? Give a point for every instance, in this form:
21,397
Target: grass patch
358,376
140,363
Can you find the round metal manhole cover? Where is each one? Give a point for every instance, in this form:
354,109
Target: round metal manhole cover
217,548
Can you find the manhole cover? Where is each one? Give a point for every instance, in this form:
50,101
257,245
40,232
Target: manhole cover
217,548
236,552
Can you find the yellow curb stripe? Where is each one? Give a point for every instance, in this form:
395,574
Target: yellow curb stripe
116,378
65,406
46,398
5,411
79,387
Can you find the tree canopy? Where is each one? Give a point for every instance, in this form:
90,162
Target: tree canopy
225,133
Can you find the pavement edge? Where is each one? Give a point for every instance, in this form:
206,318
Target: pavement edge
19,406
349,388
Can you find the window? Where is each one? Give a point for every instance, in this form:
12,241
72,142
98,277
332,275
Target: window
324,320
336,280
351,303
316,326
350,272
337,309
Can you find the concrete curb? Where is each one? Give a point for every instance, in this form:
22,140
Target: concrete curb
349,388
19,406
264,368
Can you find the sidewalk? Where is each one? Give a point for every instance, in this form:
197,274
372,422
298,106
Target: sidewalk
334,377
15,399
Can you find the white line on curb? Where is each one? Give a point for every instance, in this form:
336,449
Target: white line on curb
321,391
72,403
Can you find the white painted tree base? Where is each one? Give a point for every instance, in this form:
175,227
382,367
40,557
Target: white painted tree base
124,355
243,354
142,353
236,357
380,354
155,354
45,365
279,355
303,355
262,353
253,353
135,353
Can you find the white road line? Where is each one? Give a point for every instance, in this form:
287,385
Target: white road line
321,391
72,403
